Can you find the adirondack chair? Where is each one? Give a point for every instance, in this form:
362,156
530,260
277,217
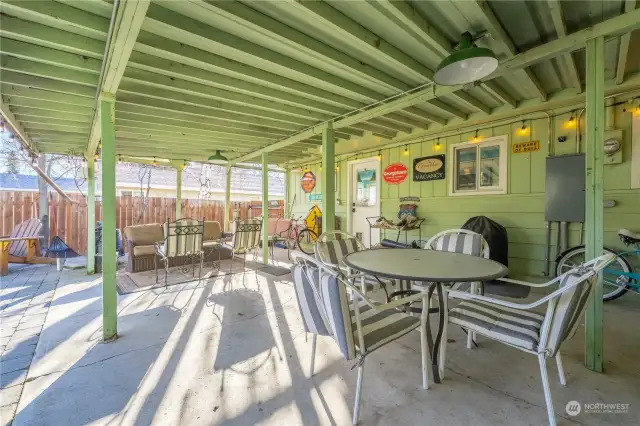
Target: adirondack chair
22,246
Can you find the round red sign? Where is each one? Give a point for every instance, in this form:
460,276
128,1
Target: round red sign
395,173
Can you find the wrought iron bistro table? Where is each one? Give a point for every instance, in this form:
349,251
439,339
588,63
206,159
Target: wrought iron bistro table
433,268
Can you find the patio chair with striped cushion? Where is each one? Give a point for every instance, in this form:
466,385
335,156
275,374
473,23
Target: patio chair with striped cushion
358,324
183,241
465,242
332,247
246,238
516,325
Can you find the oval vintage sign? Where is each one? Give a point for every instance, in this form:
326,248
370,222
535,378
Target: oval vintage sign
395,173
308,182
428,165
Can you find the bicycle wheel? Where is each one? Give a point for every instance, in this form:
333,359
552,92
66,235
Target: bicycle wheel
306,240
613,285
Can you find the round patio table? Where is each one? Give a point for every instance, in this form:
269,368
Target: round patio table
432,266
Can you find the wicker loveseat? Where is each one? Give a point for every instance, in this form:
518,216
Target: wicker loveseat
141,238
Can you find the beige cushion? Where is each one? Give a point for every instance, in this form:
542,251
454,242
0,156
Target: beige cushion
212,230
210,244
144,250
144,235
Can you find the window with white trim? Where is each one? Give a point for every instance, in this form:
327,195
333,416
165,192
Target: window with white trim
479,167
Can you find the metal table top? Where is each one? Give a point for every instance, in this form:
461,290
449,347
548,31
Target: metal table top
425,265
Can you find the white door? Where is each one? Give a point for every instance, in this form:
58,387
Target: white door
364,199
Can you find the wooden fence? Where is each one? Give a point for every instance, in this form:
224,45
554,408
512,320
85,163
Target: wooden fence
70,223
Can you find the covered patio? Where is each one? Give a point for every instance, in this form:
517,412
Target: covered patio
315,89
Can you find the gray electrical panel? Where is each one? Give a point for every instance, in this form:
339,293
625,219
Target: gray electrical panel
565,188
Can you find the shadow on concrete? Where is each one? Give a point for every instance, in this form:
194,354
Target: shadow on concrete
109,375
238,342
302,387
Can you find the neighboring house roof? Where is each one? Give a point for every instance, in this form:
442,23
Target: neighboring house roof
16,182
242,180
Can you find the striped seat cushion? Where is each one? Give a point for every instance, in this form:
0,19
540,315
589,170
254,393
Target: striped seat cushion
379,328
512,326
332,252
308,304
470,244
183,237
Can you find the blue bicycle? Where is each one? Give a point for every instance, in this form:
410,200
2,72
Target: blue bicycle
618,277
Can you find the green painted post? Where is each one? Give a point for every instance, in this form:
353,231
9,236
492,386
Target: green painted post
227,201
594,218
265,209
109,295
179,192
91,214
287,210
328,179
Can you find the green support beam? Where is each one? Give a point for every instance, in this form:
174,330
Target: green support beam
179,191
109,295
265,209
328,179
91,216
227,200
594,217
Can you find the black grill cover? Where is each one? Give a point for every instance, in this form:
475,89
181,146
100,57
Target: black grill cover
494,233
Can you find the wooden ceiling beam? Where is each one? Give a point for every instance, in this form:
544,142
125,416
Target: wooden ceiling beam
491,23
125,26
555,7
625,40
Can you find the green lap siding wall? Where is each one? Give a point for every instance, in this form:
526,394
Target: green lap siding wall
520,211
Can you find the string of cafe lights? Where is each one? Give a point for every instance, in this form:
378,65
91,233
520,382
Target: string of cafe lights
629,106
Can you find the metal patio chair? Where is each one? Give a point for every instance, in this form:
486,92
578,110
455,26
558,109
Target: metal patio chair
182,244
465,242
514,324
326,310
331,249
246,238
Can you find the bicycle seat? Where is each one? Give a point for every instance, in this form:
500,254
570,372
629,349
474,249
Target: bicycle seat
628,236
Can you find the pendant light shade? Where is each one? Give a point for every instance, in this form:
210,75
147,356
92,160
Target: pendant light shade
467,64
218,157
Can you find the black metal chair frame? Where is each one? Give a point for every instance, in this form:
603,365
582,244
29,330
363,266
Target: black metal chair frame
176,229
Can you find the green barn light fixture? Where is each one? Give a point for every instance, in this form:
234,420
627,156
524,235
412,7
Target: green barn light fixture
218,157
467,64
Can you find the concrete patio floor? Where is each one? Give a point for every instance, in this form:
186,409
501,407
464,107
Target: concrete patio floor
232,351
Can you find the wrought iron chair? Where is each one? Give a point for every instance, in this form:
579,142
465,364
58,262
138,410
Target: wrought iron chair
327,311
182,243
331,249
465,242
514,324
246,238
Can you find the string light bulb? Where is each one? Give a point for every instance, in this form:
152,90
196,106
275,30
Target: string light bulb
379,156
406,150
338,167
154,163
438,147
119,159
476,138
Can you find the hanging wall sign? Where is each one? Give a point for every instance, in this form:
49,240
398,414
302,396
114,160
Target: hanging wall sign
308,182
410,198
531,146
395,173
429,168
